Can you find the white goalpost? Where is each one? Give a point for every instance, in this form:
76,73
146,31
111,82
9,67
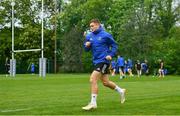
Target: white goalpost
42,60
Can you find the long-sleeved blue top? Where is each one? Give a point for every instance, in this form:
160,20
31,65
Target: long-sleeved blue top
120,61
130,63
102,44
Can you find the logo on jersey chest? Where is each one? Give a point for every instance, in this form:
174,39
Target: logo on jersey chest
99,38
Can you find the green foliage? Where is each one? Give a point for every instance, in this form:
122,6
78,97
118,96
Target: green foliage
80,12
168,50
5,43
30,38
167,16
87,61
72,51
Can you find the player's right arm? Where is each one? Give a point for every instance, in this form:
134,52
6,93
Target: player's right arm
87,43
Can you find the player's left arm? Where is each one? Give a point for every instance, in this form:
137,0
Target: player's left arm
112,44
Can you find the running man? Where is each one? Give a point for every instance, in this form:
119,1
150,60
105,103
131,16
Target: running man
103,48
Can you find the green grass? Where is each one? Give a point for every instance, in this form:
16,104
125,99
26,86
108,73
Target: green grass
66,93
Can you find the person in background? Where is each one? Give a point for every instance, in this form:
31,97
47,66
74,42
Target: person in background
32,68
113,68
145,67
125,68
130,66
120,63
161,68
7,66
138,68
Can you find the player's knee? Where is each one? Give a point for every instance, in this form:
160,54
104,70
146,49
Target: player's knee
93,81
90,80
105,83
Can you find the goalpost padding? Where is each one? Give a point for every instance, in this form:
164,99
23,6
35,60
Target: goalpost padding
12,67
42,67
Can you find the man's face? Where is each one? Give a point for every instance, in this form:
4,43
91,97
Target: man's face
94,26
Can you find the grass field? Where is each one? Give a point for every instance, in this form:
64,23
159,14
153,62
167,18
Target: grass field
65,94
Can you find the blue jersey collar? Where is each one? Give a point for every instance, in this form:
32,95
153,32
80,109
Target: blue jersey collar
98,30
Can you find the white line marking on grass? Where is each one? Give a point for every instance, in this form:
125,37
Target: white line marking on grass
16,110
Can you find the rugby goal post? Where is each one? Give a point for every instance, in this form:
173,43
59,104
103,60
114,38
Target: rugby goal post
42,60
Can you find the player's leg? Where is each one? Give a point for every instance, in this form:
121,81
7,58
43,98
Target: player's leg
94,86
162,73
130,72
121,72
114,70
106,82
6,70
159,71
94,90
138,73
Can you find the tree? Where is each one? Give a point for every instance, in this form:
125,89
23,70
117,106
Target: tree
72,51
167,16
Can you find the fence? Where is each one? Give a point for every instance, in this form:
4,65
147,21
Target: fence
24,67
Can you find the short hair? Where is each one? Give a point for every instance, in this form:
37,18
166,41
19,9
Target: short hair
95,21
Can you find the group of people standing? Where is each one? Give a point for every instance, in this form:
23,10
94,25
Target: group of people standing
123,67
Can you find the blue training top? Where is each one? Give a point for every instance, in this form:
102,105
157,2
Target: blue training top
120,61
113,64
130,64
32,67
102,44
